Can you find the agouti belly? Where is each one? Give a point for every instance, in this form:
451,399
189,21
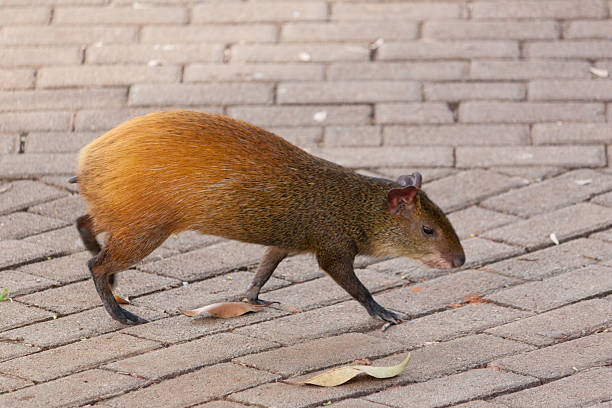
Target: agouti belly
168,172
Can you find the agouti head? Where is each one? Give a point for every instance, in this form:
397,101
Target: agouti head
419,229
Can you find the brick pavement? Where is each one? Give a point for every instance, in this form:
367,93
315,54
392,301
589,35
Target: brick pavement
503,105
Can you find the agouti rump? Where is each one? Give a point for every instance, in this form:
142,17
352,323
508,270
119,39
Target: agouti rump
168,172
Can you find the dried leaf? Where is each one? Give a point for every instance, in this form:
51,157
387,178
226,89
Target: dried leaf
341,375
121,300
583,182
554,239
223,310
475,299
599,72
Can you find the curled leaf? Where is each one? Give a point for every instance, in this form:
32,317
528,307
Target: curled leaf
223,310
121,301
554,239
341,375
599,72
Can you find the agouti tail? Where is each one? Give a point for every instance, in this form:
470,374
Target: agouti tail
168,172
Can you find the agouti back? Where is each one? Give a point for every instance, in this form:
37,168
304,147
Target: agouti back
168,172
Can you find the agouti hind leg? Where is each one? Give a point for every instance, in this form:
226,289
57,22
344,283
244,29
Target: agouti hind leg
84,225
272,257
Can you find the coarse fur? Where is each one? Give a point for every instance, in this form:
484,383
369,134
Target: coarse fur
168,172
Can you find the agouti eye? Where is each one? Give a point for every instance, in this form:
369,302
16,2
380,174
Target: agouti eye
427,230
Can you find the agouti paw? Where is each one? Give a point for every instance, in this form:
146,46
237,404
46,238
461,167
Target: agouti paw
386,315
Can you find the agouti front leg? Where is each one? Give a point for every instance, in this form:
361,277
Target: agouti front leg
340,267
272,257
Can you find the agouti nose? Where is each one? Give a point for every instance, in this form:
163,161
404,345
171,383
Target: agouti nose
458,260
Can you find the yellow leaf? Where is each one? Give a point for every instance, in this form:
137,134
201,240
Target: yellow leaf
223,310
341,375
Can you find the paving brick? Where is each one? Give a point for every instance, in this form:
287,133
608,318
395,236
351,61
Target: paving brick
537,9
336,136
529,112
12,384
13,252
13,350
21,224
299,52
105,75
252,72
323,353
455,92
480,251
580,389
439,293
60,241
300,136
37,164
68,329
521,70
349,31
469,187
443,326
536,231
322,322
209,33
413,113
120,15
19,283
568,49
258,12
588,29
556,90
571,133
566,156
515,30
558,290
28,121
348,92
479,404
161,53
66,208
407,269
222,288
61,99
170,94
387,156
16,78
605,200
9,143
63,35
58,142
76,389
554,260
431,49
30,15
60,182
397,70
456,388
186,390
562,359
300,268
220,404
29,56
456,135
430,173
209,261
407,11
551,194
355,403
186,357
15,314
61,361
473,221
531,173
188,240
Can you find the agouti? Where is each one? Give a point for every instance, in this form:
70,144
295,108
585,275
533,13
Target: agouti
168,172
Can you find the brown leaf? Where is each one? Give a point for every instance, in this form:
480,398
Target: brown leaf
223,310
121,301
475,299
416,289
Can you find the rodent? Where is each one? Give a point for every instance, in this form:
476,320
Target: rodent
168,172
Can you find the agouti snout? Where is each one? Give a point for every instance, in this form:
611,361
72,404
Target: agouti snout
168,172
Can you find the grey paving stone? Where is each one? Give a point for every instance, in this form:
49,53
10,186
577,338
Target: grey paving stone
480,251
143,53
529,112
387,156
469,187
564,156
61,241
429,173
554,260
15,314
563,359
426,113
434,49
209,261
188,389
18,195
303,115
531,173
313,324
19,283
9,143
442,326
564,323
336,136
491,30
535,232
552,194
299,52
475,220
479,404
11,384
322,353
220,404
558,290
571,133
67,329
300,268
201,94
442,292
603,199
60,182
581,389
415,11
78,356
13,253
456,135
253,72
465,91
36,120
347,92
537,10
407,269
66,208
453,389
185,357
12,350
397,70
37,164
22,224
76,389
65,269
355,403
208,33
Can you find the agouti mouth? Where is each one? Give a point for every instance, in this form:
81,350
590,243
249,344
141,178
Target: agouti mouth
436,262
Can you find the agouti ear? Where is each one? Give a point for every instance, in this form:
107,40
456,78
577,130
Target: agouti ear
399,198
414,179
